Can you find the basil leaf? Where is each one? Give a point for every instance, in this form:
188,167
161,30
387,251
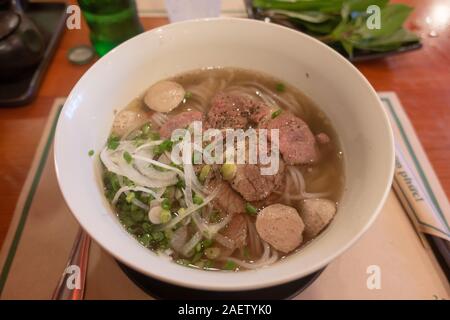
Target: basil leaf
308,16
392,18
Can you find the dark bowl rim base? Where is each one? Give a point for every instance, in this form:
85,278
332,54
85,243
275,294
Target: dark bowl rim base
165,291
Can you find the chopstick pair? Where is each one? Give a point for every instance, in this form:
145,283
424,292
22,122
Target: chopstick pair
416,202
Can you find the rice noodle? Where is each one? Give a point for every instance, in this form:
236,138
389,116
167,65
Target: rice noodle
265,260
149,144
301,180
298,182
264,89
254,239
210,230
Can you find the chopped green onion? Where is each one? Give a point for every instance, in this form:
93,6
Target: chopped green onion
166,145
228,171
230,265
91,153
165,204
154,136
127,156
251,210
212,253
197,257
188,95
168,233
127,221
137,216
158,235
208,264
276,113
204,173
199,247
173,164
280,87
165,216
180,184
146,128
197,200
147,227
130,197
113,142
207,243
145,239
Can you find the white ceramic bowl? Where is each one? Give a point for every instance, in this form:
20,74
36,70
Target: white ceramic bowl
319,72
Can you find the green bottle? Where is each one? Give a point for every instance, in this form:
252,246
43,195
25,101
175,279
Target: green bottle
111,22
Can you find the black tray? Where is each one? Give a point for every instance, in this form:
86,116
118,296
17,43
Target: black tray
50,18
358,55
162,290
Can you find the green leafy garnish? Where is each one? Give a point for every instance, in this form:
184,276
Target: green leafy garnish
166,145
188,95
343,24
91,153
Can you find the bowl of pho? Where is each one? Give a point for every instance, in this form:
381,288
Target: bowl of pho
224,154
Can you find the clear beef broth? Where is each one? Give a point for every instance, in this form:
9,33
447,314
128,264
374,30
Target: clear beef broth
323,176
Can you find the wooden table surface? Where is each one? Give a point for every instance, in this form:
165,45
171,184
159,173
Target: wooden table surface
421,80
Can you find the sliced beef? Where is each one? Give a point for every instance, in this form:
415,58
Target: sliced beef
235,111
179,121
253,186
236,230
227,200
281,227
297,143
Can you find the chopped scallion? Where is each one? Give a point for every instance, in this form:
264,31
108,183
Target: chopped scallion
276,113
251,210
127,156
